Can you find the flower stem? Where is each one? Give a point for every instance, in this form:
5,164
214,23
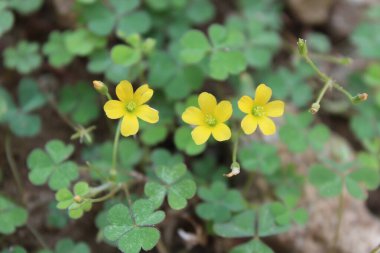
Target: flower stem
107,196
115,149
376,250
12,165
340,212
38,236
325,78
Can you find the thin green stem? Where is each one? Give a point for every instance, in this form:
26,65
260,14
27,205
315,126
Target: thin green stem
38,236
107,196
115,149
96,190
325,78
340,212
323,91
108,96
12,165
332,59
235,148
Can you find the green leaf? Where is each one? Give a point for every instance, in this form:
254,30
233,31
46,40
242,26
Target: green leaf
184,141
162,157
222,64
361,179
15,249
6,21
6,105
83,110
11,216
56,218
372,75
253,246
25,7
55,49
100,20
29,95
241,225
318,42
195,46
82,42
328,183
132,228
24,125
68,200
219,202
136,22
125,55
68,245
130,153
24,57
200,11
51,166
153,135
260,157
173,182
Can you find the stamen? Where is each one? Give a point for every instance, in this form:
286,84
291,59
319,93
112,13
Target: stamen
210,120
258,111
131,106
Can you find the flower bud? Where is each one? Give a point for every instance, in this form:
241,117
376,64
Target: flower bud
78,199
100,87
315,108
235,170
302,47
360,98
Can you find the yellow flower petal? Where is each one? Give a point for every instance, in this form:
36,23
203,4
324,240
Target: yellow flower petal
143,94
267,126
129,125
263,94
201,134
114,109
193,116
274,108
245,104
249,124
147,113
124,91
223,111
221,132
207,102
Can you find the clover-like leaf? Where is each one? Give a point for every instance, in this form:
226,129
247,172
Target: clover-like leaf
243,224
298,137
11,216
173,182
133,228
14,249
56,218
121,15
83,42
225,57
55,49
51,165
260,157
184,142
77,202
24,57
25,7
327,182
162,157
6,21
219,202
83,110
67,245
253,246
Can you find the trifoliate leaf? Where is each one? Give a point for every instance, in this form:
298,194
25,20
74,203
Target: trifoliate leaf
219,202
55,49
82,42
51,165
133,228
11,216
253,246
24,57
172,182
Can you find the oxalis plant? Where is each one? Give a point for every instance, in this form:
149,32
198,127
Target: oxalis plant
160,151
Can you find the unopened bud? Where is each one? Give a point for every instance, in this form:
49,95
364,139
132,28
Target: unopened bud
235,170
78,199
302,47
360,98
315,108
100,87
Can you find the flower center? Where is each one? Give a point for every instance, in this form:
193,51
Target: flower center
210,120
258,111
131,106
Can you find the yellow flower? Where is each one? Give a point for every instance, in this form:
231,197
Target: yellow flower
209,119
258,111
130,107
